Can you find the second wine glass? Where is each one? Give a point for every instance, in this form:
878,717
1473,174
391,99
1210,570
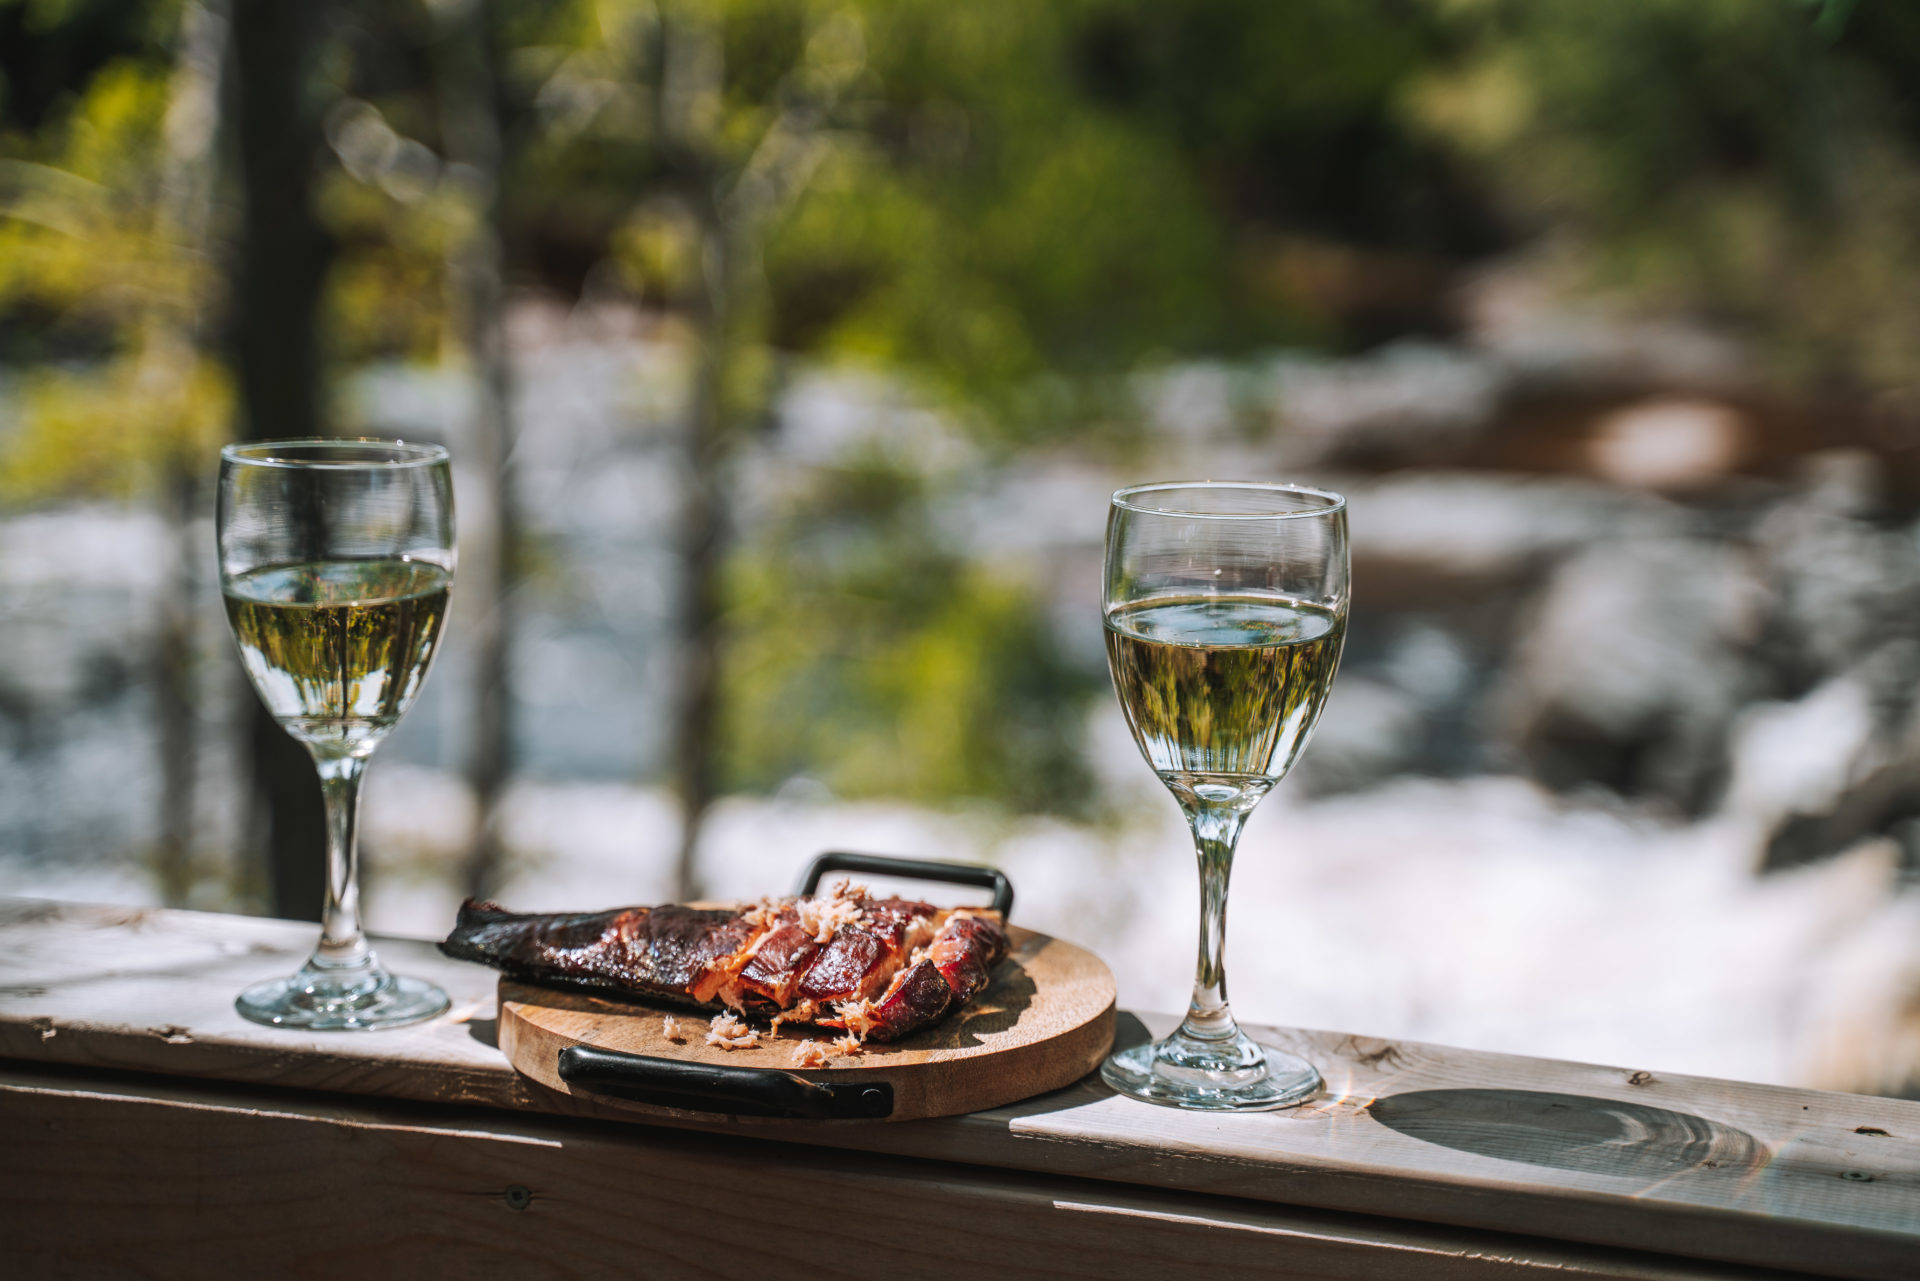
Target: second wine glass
336,561
1226,609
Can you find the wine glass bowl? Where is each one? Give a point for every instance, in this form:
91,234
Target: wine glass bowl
1225,609
336,562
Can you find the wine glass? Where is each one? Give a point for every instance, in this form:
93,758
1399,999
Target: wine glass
336,559
1226,607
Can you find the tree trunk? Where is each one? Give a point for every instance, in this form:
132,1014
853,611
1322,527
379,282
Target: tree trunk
472,133
185,217
733,209
176,684
280,267
687,75
701,533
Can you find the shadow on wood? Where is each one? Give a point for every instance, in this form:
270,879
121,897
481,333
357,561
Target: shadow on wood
1129,1031
1570,1132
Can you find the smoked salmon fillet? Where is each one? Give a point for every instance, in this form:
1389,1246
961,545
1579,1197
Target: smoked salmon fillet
877,968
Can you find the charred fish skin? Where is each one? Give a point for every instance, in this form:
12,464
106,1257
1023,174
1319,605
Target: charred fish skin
656,952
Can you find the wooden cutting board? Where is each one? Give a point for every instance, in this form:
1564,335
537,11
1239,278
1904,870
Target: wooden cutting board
1045,1021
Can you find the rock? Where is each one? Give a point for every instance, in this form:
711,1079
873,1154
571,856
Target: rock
1837,767
1669,444
1632,668
1195,403
1408,402
1369,732
1524,318
1844,585
1474,529
1859,1000
1799,757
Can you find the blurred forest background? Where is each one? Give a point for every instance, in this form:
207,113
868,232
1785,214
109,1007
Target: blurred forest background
788,351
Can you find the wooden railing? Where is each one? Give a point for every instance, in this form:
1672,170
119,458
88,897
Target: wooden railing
146,1130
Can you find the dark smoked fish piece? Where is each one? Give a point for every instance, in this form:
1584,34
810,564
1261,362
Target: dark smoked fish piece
965,952
880,968
658,952
958,964
918,997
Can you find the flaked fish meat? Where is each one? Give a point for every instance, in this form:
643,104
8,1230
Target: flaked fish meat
876,968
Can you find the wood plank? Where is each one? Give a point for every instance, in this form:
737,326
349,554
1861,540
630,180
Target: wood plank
1744,1173
153,990
130,1177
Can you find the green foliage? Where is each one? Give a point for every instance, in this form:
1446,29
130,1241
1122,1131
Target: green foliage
386,296
94,262
1076,262
871,656
1756,163
49,48
1063,191
78,240
113,429
1003,201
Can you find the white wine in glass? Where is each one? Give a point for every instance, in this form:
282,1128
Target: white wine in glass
1226,609
337,649
336,561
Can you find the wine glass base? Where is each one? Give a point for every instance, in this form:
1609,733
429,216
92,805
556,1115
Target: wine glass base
315,1001
1153,1073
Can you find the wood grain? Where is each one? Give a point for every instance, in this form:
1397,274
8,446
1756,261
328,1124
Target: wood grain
1625,1156
129,1178
1044,1022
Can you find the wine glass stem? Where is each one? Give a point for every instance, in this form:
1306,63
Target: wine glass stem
342,945
1216,831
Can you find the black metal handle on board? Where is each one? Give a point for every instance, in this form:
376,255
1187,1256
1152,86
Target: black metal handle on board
706,1087
915,869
